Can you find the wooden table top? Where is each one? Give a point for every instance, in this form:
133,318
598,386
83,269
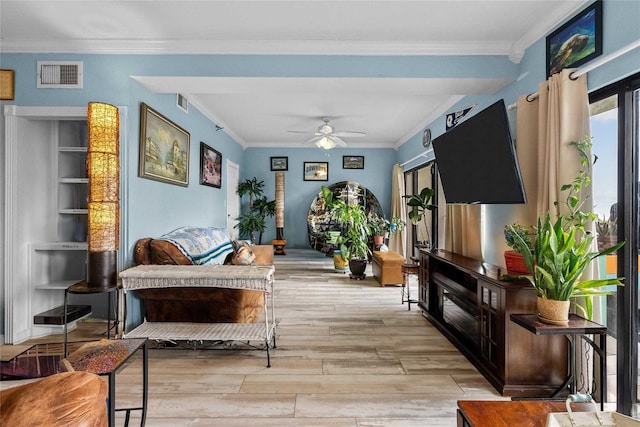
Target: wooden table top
577,325
509,413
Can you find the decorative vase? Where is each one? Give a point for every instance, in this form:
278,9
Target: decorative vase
553,312
340,264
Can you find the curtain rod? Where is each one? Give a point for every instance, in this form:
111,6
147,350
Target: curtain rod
413,158
595,64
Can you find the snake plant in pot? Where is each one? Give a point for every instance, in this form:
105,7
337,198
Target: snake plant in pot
560,251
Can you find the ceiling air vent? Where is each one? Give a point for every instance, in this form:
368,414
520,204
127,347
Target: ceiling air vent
60,74
182,102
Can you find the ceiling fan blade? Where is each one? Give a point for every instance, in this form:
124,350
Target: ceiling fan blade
338,141
348,134
313,140
299,131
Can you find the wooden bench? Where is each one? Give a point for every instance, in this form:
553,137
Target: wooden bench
387,267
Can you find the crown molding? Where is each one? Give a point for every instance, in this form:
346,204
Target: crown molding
265,47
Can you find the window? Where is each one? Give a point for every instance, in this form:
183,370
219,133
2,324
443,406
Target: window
426,231
615,126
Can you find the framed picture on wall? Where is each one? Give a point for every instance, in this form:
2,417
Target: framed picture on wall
210,166
279,163
577,41
7,85
164,148
316,171
352,162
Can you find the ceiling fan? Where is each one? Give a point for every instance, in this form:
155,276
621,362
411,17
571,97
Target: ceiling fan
326,136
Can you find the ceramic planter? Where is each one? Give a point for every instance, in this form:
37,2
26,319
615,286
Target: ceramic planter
515,263
340,264
358,267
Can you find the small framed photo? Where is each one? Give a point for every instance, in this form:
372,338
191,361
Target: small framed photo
279,163
316,171
210,166
577,41
352,162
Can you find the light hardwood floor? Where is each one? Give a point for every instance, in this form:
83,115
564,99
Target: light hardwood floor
348,354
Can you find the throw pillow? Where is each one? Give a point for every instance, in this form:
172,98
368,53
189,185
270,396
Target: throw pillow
243,254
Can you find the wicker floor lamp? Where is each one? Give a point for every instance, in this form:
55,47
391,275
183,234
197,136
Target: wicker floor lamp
279,242
103,171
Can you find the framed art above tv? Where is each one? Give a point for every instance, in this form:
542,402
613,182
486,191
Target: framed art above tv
577,41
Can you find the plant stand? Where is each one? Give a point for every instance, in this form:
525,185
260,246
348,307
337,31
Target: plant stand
278,246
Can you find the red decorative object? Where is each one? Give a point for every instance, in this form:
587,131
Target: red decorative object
515,263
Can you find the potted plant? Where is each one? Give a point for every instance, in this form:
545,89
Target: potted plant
395,224
561,250
259,208
379,226
420,204
607,232
514,258
355,232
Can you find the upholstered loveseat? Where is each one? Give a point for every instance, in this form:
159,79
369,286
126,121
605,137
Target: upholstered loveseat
198,305
65,399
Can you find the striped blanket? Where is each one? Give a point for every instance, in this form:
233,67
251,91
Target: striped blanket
202,245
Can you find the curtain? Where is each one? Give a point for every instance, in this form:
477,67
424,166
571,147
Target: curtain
545,127
398,240
462,230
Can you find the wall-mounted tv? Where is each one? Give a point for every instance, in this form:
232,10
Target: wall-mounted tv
477,160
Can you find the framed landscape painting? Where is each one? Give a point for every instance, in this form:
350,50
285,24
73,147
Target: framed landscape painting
279,163
352,162
316,171
210,166
577,41
164,148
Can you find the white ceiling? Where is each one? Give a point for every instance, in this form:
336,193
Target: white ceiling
258,111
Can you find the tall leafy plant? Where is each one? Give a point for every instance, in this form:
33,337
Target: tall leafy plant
354,225
421,203
253,221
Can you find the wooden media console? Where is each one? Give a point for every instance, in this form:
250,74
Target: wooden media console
466,300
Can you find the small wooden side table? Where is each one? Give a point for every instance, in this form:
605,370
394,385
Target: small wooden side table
83,288
107,357
577,327
505,413
408,270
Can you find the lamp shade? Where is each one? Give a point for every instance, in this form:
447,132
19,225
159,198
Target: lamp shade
325,142
103,171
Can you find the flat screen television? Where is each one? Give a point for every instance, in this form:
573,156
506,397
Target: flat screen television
477,160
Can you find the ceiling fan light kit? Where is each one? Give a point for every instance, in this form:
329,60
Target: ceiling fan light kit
325,142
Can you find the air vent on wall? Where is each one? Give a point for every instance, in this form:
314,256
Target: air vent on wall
60,74
182,102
